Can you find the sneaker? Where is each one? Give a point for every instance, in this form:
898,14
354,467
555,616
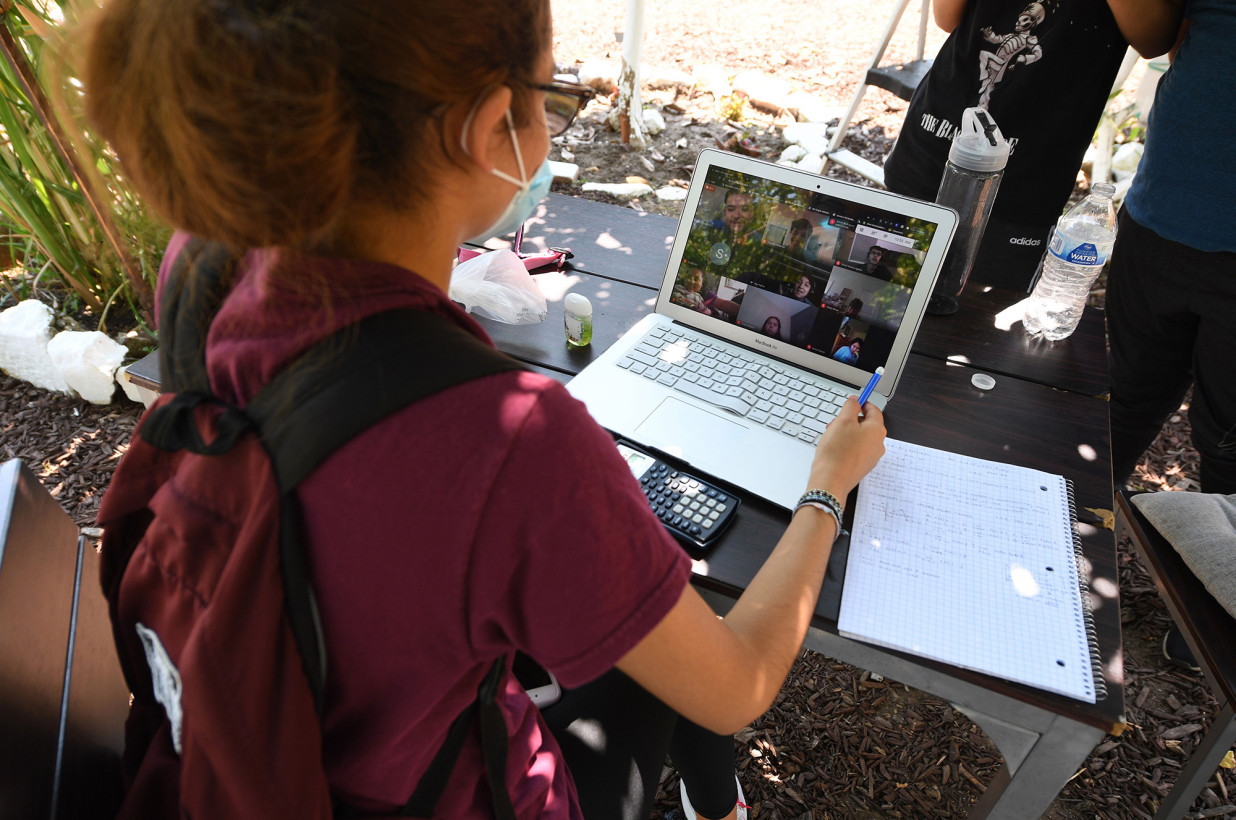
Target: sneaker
1176,650
690,812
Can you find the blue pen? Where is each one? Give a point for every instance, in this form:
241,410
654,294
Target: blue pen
866,394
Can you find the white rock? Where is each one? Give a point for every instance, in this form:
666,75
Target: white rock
654,121
134,391
670,193
601,75
810,108
25,330
682,143
812,163
1126,159
714,79
564,171
623,190
793,153
87,361
668,77
813,136
130,389
765,92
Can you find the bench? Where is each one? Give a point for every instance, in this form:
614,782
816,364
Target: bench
1208,629
63,698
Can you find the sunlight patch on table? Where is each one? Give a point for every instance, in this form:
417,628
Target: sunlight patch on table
1011,315
610,243
554,286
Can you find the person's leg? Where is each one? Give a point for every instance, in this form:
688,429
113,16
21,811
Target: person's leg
705,762
1212,412
614,737
1151,332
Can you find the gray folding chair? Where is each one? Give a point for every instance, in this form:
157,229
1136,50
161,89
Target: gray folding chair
63,699
1207,628
899,78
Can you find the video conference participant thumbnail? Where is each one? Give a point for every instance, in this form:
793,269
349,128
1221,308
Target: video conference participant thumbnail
777,317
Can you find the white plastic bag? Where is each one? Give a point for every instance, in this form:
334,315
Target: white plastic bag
496,285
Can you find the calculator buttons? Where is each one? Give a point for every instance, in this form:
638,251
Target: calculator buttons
692,510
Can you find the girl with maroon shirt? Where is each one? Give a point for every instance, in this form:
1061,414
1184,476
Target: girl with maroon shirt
345,150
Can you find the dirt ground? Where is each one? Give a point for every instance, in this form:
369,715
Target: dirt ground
820,49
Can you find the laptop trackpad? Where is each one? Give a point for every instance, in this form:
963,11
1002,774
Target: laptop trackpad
691,433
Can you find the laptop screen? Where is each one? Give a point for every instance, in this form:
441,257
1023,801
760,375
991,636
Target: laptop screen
823,274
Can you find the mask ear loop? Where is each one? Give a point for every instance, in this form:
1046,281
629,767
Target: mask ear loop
522,183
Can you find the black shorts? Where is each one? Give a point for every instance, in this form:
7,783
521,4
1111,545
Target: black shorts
1010,253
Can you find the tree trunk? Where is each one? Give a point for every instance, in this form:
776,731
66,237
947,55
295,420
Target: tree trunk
630,107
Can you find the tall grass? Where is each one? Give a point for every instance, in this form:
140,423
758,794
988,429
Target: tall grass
75,217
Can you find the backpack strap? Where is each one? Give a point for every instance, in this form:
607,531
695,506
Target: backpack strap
193,291
341,386
318,403
493,749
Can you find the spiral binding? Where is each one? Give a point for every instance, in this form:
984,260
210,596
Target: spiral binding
1092,636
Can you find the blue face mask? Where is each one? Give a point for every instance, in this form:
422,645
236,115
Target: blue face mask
529,191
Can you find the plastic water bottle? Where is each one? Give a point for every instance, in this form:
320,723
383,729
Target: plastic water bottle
1079,248
976,161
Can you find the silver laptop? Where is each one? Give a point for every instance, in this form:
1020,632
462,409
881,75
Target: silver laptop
784,292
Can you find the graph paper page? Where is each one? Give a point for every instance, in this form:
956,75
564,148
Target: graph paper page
969,562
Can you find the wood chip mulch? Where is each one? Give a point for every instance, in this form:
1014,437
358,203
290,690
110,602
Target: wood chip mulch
839,742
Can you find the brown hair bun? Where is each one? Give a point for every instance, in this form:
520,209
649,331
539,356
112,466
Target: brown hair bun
229,116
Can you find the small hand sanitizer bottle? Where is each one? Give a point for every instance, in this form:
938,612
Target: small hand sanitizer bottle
577,318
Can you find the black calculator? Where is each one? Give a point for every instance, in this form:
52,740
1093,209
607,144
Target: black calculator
694,511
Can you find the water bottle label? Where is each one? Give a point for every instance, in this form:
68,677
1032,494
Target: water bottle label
1082,253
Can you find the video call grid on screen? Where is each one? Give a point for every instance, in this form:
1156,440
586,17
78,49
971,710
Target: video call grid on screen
826,275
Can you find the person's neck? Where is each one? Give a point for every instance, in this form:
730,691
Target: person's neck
416,240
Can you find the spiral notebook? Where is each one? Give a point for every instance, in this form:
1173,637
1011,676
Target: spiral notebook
973,563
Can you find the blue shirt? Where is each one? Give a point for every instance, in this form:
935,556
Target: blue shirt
1185,187
845,355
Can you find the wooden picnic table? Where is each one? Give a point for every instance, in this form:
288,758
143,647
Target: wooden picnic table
1047,411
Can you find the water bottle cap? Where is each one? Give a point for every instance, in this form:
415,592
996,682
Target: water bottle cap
1103,190
979,145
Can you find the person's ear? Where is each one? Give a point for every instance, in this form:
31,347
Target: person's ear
484,133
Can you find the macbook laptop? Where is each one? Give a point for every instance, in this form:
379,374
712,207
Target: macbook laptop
784,292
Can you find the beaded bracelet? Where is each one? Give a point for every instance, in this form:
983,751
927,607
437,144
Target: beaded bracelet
825,501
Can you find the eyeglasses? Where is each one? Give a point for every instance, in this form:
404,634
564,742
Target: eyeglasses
563,100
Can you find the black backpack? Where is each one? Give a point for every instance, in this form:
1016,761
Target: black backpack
190,439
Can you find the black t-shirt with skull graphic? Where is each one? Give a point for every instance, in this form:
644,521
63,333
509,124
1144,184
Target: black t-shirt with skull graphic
1044,72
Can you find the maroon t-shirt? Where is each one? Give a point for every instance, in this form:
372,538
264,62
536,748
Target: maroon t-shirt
492,516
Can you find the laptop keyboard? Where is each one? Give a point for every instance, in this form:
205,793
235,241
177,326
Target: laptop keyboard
756,389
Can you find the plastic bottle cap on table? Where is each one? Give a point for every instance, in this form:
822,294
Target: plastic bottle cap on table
982,381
